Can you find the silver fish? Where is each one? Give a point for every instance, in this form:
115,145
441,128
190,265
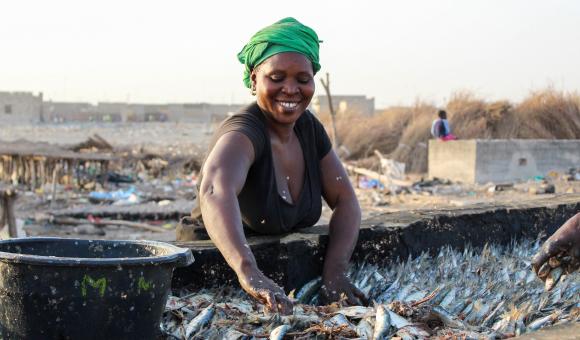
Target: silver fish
448,319
448,298
309,290
338,320
299,319
199,321
279,332
542,322
364,329
382,322
397,320
412,332
355,312
544,270
553,278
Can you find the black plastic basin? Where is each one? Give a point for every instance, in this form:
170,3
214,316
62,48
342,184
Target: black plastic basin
55,288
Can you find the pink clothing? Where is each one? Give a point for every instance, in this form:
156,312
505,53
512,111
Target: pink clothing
448,137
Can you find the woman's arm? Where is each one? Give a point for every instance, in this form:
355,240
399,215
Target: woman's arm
224,175
343,233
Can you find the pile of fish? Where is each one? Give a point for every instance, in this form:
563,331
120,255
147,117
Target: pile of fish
488,293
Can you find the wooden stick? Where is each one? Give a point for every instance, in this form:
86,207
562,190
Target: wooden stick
7,198
374,175
102,222
54,179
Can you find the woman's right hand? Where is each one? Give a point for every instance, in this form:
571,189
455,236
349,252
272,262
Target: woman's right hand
265,291
565,241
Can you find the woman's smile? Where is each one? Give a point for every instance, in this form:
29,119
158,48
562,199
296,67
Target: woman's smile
288,106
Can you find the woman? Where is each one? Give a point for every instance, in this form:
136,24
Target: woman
269,166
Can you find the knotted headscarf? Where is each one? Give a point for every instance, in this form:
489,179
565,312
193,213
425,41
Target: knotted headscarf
286,35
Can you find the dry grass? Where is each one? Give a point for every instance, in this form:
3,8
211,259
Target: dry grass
403,132
549,114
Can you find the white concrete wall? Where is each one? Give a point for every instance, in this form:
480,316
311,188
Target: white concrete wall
482,161
454,160
508,160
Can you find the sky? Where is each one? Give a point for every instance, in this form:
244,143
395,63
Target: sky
185,51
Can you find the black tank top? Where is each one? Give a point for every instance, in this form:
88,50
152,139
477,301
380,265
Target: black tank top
262,208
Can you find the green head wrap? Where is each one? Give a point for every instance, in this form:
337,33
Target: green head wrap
286,35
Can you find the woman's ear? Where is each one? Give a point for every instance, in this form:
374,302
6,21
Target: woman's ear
253,77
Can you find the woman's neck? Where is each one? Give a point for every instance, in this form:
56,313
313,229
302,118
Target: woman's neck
282,132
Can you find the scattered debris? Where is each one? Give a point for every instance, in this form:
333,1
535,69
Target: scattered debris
103,222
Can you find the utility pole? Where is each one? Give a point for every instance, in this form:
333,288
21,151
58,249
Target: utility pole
326,85
41,111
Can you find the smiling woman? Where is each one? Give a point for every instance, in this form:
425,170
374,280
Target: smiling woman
270,165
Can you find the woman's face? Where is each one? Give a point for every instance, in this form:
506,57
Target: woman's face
284,86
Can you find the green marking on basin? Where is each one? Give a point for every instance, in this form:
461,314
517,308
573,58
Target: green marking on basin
143,284
99,284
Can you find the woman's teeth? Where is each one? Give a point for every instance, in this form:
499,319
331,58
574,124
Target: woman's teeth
289,105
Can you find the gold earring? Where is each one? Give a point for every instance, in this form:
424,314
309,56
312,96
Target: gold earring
253,90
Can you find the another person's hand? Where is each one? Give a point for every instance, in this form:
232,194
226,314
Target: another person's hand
266,291
564,244
339,288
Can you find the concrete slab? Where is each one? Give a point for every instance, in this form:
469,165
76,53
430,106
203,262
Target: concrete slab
294,259
482,161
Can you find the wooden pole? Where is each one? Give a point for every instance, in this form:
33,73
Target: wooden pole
54,181
326,86
7,199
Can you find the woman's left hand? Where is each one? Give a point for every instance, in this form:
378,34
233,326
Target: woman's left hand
338,287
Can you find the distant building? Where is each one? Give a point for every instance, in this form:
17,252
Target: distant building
57,112
344,105
20,107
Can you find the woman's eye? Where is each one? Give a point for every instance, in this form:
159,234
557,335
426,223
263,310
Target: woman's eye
303,80
276,78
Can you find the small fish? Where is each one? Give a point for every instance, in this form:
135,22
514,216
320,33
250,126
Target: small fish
492,315
364,329
553,278
397,320
296,319
233,334
338,320
382,322
309,290
448,319
541,322
412,332
448,298
355,312
279,332
199,321
544,270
